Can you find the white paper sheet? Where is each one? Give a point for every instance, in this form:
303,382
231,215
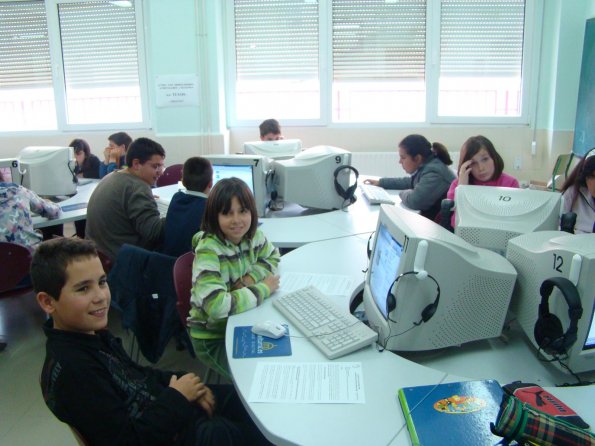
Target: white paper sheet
329,284
308,382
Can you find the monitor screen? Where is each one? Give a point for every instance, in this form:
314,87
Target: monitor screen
252,169
243,172
475,285
384,267
590,340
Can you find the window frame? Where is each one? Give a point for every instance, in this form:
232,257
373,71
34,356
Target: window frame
58,80
532,32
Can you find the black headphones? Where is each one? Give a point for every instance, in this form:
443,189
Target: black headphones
349,193
548,331
426,313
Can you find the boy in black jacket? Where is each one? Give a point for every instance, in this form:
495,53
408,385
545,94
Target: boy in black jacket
89,382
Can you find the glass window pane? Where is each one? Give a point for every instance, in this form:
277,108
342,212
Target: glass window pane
379,56
481,55
100,58
26,92
276,43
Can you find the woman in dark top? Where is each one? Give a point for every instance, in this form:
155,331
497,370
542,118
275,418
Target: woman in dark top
87,164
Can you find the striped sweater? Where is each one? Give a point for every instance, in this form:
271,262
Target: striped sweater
217,266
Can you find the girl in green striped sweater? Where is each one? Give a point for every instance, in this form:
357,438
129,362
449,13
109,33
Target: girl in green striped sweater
234,269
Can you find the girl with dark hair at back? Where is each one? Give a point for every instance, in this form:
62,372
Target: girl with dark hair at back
578,194
430,178
234,269
480,165
87,164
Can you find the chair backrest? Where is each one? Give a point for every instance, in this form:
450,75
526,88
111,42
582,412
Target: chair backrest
560,171
15,261
171,175
183,284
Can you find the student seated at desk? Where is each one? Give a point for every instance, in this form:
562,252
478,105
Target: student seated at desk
87,164
430,176
233,271
122,209
184,213
480,165
16,205
578,194
115,153
270,130
89,382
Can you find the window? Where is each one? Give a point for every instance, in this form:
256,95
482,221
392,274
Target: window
378,60
277,62
92,46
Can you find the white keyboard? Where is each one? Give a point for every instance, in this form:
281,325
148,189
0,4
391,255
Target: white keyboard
162,206
332,330
376,194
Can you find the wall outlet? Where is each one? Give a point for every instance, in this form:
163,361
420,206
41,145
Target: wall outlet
518,163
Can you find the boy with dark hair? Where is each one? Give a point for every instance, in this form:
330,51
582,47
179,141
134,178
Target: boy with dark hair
122,209
89,382
270,130
186,208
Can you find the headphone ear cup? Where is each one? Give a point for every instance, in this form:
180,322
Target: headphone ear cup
549,333
428,312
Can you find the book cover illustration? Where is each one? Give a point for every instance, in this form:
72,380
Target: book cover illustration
248,345
452,413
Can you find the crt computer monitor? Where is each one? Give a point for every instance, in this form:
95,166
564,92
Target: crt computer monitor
542,255
280,149
476,285
488,216
48,170
308,179
252,169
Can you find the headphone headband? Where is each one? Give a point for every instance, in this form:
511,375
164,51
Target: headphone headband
349,193
548,331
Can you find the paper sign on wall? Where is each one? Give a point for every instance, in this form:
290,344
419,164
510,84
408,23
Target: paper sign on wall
176,91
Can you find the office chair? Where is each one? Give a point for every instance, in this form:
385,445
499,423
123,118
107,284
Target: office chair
445,215
562,166
183,284
15,261
82,441
171,175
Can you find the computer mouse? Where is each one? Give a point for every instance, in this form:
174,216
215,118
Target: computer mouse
269,329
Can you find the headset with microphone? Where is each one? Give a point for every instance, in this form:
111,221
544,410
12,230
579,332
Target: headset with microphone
428,311
349,193
549,335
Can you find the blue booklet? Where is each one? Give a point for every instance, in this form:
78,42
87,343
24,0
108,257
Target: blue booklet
248,345
457,413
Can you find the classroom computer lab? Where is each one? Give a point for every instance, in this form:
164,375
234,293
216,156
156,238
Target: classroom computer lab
423,168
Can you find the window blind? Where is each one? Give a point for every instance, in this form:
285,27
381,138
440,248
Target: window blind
481,37
24,46
276,39
378,39
99,46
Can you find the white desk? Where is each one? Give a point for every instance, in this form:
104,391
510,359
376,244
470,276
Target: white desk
380,419
83,193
